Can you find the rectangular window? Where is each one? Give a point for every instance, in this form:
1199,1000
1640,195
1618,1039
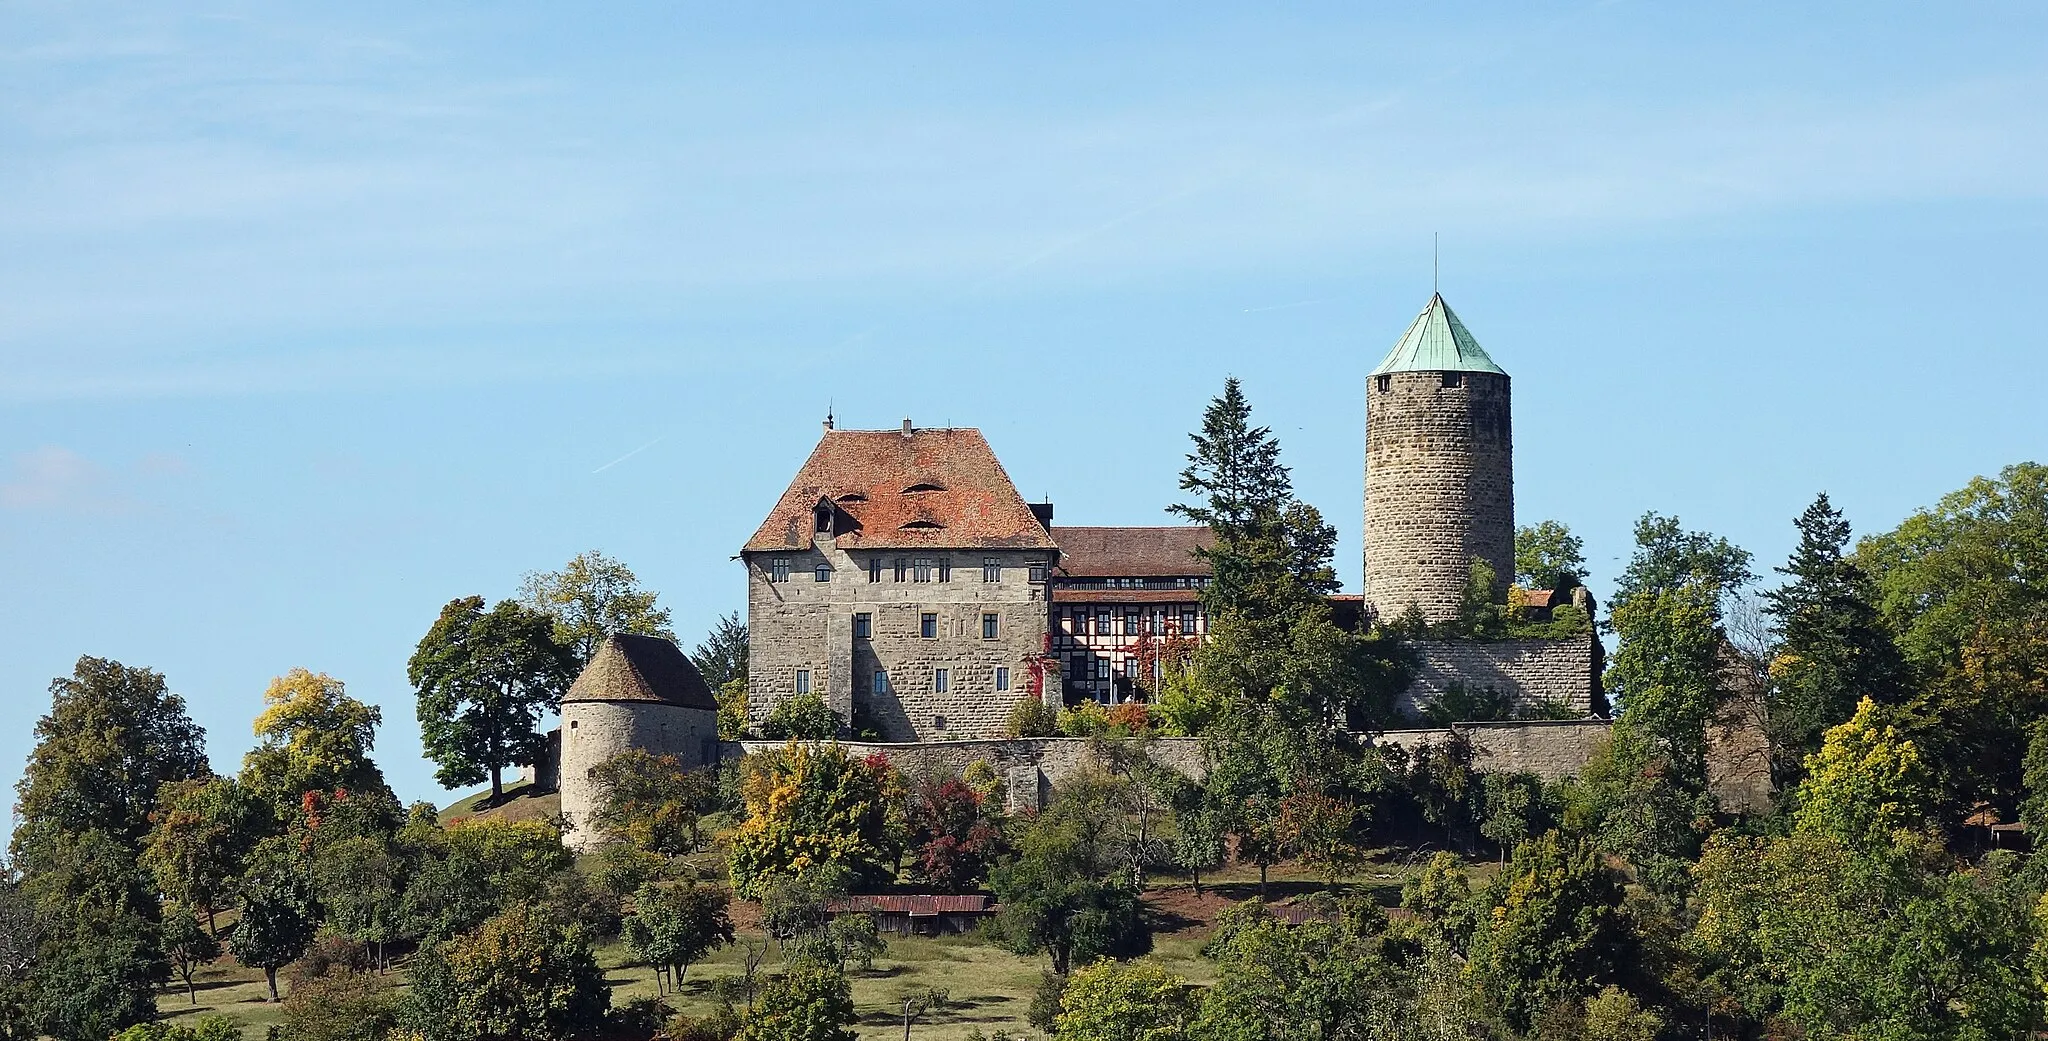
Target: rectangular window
803,681
1153,624
928,625
778,569
881,681
1037,571
1452,379
1187,623
902,568
822,573
941,679
1131,624
863,626
945,569
1080,669
1102,623
991,626
1002,677
1386,384
991,569
1131,667
1102,668
921,569
874,569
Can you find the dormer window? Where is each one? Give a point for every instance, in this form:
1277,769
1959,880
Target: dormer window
822,518
923,525
851,497
924,486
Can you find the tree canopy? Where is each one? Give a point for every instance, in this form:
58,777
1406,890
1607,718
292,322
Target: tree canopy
484,678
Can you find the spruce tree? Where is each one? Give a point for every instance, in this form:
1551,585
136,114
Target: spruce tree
1833,650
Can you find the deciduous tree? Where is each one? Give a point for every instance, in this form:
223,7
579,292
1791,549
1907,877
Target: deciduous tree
200,831
652,801
521,975
278,917
1112,1001
1548,555
312,737
674,926
592,597
484,678
810,806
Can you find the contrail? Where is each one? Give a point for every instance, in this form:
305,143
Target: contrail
627,456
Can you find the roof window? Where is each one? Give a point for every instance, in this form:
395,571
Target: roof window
923,525
851,497
924,486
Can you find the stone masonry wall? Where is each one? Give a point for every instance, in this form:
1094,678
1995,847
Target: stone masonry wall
594,731
807,624
1439,489
1565,671
1550,749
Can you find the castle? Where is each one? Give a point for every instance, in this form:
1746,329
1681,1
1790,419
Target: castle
901,578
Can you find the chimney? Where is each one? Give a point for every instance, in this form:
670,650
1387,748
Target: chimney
906,428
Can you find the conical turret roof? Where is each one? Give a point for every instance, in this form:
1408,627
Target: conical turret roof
629,667
1437,342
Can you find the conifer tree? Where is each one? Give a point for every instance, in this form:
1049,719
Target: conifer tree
1833,649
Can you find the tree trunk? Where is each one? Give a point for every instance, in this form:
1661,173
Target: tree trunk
497,783
191,992
1196,874
270,977
1262,882
210,930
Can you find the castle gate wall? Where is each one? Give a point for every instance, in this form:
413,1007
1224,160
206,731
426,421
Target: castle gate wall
1439,489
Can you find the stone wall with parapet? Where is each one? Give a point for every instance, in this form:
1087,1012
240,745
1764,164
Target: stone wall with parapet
1565,672
1549,748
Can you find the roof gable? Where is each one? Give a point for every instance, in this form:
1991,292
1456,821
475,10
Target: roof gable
629,667
1437,342
903,489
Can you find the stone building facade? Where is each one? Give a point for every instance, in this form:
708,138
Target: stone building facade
1439,469
903,579
637,693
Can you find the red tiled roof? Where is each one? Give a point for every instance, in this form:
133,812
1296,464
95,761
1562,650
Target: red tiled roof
1126,596
963,499
972,903
1162,552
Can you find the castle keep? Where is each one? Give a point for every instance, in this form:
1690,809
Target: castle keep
1439,470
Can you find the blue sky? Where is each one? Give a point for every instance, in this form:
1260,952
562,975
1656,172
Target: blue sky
312,321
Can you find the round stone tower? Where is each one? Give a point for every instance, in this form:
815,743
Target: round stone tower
638,692
1439,469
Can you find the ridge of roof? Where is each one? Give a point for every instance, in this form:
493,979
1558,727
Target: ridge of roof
913,488
1437,341
632,667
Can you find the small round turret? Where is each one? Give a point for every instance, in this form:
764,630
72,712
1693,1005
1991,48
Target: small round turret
638,692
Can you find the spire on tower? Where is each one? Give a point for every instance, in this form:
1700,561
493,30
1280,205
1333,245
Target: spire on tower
1437,342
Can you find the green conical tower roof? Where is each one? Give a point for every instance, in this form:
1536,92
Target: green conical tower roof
1437,342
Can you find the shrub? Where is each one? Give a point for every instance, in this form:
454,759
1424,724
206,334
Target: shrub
1087,719
343,1005
1128,719
804,717
1032,718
